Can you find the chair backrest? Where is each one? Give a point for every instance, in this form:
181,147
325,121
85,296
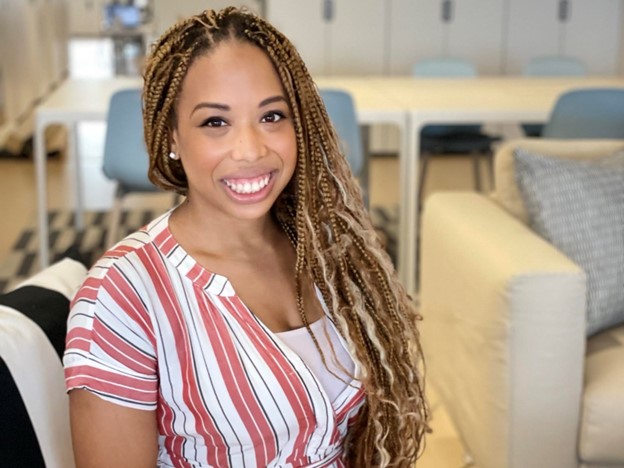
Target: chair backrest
587,113
444,67
554,66
341,110
125,155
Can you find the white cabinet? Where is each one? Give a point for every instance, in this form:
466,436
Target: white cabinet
587,30
356,37
416,31
334,37
303,23
467,29
167,12
476,33
592,33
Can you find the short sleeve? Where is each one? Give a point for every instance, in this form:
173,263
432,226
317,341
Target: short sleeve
110,345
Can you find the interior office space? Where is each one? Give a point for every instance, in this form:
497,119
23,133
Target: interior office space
46,42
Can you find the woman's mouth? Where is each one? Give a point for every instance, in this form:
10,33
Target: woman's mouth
248,186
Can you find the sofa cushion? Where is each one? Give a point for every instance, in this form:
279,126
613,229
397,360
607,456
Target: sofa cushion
578,206
602,417
34,422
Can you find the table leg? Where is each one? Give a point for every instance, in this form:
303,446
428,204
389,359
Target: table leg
42,205
74,155
364,176
408,213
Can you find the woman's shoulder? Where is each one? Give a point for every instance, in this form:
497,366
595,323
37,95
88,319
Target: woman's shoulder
126,250
126,261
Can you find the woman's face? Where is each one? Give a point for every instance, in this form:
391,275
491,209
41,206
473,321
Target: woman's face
234,132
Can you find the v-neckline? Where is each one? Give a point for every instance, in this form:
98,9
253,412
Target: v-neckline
220,285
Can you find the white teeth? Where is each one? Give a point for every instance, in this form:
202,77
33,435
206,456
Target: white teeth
247,187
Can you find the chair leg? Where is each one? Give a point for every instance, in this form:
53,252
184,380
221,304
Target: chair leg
114,219
477,173
421,179
490,162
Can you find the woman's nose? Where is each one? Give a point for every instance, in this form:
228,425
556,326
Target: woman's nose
249,144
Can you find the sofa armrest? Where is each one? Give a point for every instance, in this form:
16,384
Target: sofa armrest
503,333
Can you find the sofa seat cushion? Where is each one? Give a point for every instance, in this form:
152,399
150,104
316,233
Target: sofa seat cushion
602,419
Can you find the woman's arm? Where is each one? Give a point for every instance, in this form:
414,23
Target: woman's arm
105,434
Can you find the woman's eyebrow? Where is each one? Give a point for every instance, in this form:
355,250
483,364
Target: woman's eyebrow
225,107
271,100
210,105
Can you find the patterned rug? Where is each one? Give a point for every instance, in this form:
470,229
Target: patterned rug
88,243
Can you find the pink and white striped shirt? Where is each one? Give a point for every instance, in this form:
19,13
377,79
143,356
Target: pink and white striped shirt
152,329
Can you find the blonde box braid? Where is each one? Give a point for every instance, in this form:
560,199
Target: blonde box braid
323,214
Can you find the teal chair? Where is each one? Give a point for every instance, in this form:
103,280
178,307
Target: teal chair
451,139
552,65
341,110
125,156
555,65
587,113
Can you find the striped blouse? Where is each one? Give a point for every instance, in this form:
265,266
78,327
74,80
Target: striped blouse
151,329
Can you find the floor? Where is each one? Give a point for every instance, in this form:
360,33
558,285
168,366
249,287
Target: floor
18,207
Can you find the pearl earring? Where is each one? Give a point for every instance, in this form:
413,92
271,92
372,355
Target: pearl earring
174,156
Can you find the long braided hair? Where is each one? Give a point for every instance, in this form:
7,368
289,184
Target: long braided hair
322,212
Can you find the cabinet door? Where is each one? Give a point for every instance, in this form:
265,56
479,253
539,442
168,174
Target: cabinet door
416,31
476,33
592,33
532,29
167,12
303,23
466,29
356,37
334,37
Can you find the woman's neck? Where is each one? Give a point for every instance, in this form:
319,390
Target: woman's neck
221,235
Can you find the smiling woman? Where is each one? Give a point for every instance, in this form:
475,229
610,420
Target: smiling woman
260,322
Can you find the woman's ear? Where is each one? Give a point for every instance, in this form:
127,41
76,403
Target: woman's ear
174,141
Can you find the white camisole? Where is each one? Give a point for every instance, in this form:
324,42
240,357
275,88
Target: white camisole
300,341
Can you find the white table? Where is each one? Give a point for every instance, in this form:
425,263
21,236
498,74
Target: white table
480,100
74,101
80,100
406,102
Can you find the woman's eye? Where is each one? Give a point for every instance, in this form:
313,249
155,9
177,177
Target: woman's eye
213,122
273,117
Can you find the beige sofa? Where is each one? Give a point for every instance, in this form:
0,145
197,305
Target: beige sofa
504,330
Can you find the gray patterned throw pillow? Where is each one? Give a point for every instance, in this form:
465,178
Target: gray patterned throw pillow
578,206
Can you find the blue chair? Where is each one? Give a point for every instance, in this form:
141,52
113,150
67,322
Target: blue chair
125,156
587,113
554,65
341,111
451,139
